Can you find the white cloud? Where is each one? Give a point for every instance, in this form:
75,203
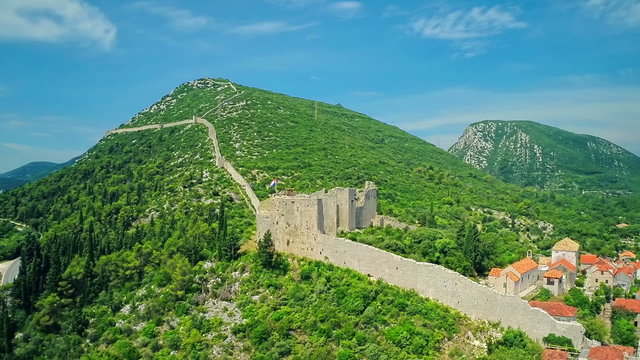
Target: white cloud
180,19
624,13
346,9
55,21
475,23
610,112
468,29
267,28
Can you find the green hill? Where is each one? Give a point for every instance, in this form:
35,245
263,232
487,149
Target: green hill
531,154
30,172
132,252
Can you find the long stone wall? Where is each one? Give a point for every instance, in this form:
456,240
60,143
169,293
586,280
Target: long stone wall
445,286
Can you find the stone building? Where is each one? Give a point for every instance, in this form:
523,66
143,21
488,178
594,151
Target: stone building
601,272
566,249
553,280
560,276
515,278
587,261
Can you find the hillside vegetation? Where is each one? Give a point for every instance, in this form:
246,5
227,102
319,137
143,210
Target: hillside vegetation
531,154
132,251
310,146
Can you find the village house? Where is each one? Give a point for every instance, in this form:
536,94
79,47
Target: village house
566,249
558,310
627,257
622,273
631,305
515,278
560,276
600,272
624,277
587,260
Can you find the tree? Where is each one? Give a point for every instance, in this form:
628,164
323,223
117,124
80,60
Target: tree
266,250
226,244
596,329
474,250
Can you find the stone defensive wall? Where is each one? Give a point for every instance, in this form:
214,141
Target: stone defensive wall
306,225
446,286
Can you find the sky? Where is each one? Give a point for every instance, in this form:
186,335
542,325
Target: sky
72,69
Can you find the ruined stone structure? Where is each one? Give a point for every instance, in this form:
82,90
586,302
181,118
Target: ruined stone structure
306,225
340,209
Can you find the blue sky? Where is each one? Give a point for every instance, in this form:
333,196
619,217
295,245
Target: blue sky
72,69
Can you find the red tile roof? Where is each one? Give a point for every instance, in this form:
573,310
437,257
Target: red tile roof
551,354
525,265
627,270
513,276
613,352
588,259
627,304
555,308
495,272
604,265
563,262
553,274
628,254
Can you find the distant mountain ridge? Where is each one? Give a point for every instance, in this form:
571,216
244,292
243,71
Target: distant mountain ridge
30,172
531,154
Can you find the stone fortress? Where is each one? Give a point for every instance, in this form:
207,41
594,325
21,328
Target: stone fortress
308,224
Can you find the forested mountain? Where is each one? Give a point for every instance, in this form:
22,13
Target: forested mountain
132,252
531,154
30,172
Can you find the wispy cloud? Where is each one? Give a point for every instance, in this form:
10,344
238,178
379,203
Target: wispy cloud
14,146
624,13
467,28
179,19
55,21
346,9
268,28
475,23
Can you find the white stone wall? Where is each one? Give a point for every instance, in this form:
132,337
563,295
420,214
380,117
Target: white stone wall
447,287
